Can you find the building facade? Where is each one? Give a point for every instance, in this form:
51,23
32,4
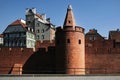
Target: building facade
18,35
43,28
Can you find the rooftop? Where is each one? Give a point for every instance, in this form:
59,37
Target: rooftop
18,22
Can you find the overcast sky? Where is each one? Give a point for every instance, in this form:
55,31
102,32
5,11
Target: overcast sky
103,15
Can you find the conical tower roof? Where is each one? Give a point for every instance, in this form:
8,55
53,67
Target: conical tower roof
69,19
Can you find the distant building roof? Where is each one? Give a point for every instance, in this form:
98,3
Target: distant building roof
93,35
14,27
115,35
92,31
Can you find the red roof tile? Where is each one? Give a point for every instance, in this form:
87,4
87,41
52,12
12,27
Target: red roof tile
18,22
38,15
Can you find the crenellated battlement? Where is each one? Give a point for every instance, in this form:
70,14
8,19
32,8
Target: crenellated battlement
45,43
59,29
79,29
16,51
70,28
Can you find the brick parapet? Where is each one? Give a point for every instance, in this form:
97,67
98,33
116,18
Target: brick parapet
99,43
70,28
45,44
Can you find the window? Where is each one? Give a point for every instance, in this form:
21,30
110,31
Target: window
38,37
38,31
24,34
68,40
19,43
7,35
15,43
10,35
24,42
19,34
6,44
38,24
79,41
69,22
42,30
92,38
42,36
9,43
29,22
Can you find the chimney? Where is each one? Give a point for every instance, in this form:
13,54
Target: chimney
34,10
27,9
118,30
48,19
93,31
44,16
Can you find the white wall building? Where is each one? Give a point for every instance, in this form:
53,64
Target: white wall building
18,35
1,40
42,27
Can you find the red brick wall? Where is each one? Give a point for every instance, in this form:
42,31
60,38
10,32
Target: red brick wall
33,62
102,58
11,56
44,44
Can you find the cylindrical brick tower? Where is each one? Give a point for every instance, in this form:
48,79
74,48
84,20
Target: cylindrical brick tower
70,46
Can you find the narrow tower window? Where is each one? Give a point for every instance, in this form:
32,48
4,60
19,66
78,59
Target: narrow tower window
68,40
69,22
79,41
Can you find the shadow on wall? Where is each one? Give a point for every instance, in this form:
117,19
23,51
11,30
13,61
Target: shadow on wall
41,62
